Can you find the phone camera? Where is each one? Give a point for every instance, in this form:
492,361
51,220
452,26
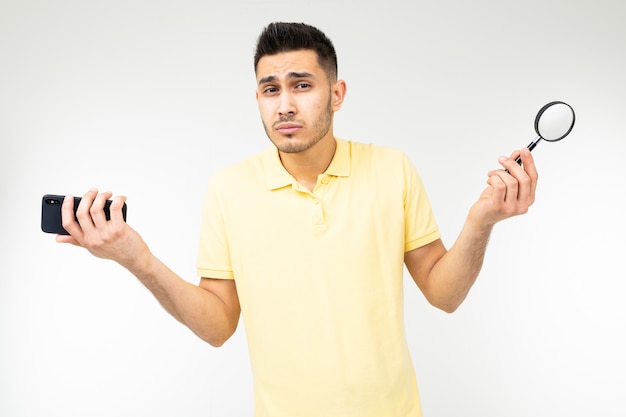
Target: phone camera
52,201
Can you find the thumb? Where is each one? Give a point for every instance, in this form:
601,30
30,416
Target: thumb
67,239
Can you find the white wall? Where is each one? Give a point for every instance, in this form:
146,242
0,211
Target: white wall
149,98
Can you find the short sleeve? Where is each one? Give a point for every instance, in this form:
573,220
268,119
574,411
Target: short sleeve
420,224
213,250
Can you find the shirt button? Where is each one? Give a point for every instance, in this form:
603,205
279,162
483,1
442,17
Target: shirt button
325,180
316,200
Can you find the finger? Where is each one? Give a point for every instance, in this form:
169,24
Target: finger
510,179
529,166
82,212
527,179
117,216
68,218
509,164
516,157
67,239
498,186
515,154
97,209
525,175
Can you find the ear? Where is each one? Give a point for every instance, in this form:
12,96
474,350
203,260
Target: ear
339,90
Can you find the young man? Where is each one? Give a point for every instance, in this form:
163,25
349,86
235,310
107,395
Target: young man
308,240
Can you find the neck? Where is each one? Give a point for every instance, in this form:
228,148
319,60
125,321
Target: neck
306,166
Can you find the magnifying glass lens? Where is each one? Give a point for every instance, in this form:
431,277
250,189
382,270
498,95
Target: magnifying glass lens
554,121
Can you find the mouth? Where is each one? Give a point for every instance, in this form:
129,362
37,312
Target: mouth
288,128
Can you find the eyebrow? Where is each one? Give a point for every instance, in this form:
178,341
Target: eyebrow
291,75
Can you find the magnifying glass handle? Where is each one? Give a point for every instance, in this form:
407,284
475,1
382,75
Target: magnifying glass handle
530,147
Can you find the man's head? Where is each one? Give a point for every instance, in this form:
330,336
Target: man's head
286,37
297,87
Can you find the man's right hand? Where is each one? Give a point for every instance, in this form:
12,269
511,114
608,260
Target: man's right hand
109,239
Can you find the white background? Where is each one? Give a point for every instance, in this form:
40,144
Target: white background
149,98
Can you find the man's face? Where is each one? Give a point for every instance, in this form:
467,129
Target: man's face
296,100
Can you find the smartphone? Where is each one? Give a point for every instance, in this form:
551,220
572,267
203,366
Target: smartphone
51,221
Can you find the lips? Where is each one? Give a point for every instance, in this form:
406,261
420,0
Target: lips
288,128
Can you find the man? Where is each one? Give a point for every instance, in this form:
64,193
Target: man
308,240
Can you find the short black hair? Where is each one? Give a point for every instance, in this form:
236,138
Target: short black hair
280,37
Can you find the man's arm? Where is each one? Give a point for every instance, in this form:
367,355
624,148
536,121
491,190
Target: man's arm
211,310
445,277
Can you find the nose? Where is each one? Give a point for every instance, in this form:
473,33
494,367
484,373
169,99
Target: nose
286,105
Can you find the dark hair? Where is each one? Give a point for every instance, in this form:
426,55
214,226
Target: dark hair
286,37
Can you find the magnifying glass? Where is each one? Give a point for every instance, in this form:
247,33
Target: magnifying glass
554,121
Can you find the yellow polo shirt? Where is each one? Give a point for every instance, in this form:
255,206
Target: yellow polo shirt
319,277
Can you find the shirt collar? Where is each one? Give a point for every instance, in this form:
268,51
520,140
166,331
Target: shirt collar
276,176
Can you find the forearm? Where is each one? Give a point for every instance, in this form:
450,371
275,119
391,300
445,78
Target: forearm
210,311
453,275
199,309
445,277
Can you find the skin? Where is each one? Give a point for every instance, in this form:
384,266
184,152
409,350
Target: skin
297,103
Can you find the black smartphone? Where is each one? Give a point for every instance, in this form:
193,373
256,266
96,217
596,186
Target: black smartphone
51,221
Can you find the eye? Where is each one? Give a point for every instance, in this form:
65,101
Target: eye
302,86
270,90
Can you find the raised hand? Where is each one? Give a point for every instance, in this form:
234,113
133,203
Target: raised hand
511,191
